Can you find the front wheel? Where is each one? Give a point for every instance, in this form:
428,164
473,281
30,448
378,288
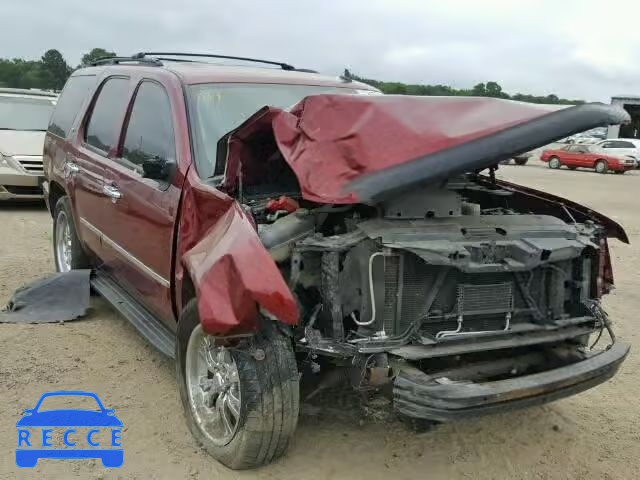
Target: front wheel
241,402
554,162
67,249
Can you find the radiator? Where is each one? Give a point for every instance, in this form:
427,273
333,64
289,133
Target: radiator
483,299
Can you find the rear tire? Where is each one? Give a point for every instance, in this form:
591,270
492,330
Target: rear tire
601,166
67,248
266,381
521,161
554,162
572,168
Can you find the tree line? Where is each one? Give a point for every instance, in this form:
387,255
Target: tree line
488,89
51,71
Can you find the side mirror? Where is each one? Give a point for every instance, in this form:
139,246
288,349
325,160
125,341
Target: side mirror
158,168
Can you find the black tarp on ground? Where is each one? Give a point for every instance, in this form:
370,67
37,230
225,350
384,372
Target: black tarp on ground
59,297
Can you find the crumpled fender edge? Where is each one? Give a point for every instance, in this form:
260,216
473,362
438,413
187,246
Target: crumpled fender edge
234,276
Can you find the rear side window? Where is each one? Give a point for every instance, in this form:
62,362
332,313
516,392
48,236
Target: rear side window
103,127
150,130
617,144
69,103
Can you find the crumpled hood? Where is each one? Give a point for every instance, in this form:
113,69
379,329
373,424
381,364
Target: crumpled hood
351,148
17,142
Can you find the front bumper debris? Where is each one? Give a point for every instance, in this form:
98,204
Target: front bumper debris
418,395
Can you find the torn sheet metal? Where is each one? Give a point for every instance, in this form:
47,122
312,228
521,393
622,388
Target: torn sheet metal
59,297
365,149
233,274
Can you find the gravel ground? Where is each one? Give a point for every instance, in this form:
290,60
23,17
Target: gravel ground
593,435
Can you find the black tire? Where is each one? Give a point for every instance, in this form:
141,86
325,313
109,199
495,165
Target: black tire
619,172
554,162
520,161
269,393
78,257
601,166
572,168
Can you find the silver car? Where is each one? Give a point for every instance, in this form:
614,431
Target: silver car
24,117
621,147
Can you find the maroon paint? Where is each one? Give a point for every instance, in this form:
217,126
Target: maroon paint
327,140
231,270
331,140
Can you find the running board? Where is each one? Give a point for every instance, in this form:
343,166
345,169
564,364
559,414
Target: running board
149,326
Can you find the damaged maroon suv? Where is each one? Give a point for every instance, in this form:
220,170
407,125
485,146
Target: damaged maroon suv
247,219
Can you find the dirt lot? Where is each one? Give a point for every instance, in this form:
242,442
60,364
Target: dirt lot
593,435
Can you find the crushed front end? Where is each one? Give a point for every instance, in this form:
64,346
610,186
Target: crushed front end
456,293
462,303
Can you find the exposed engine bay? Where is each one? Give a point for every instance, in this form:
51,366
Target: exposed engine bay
463,281
465,294
445,262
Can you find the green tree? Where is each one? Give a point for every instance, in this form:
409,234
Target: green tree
55,68
495,90
95,54
488,89
479,90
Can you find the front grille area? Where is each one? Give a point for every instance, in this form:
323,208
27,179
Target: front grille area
482,299
32,165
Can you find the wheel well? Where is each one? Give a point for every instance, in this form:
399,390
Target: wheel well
55,193
188,290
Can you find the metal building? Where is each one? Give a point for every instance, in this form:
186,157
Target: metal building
631,104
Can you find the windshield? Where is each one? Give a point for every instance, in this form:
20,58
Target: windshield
25,113
216,109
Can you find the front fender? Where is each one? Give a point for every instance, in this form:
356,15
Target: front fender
232,272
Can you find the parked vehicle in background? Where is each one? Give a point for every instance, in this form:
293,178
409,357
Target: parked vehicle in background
619,147
580,156
586,140
24,117
522,159
250,220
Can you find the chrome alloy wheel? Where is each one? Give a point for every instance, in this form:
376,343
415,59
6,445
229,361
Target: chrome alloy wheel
213,386
63,242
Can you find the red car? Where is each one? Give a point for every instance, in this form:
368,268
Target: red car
251,220
581,156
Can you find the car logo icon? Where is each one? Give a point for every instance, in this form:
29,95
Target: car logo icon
105,431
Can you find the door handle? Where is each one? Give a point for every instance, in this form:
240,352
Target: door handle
70,169
112,192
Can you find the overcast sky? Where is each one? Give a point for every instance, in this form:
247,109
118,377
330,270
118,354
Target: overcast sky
575,49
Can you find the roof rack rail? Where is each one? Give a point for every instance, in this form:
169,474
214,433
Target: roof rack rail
143,55
118,60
